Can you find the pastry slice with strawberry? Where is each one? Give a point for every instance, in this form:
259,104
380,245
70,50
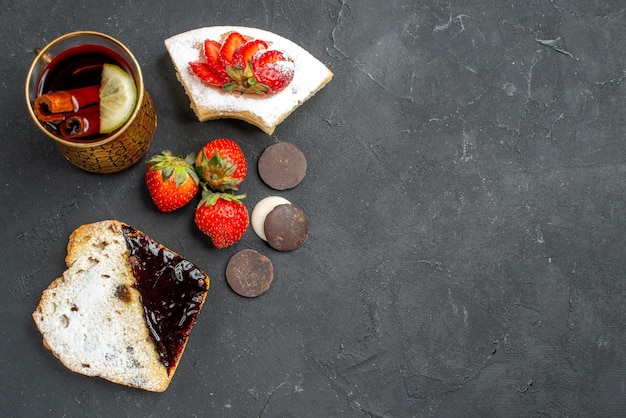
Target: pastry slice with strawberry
245,73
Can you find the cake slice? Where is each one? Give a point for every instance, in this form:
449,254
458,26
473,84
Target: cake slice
123,309
263,111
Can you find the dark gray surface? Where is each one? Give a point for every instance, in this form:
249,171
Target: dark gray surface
466,201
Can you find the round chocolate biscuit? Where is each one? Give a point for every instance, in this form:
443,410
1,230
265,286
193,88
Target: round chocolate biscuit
286,227
282,166
249,273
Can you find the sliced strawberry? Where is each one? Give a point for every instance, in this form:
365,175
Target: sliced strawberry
207,74
233,41
243,55
212,55
212,51
267,57
276,76
244,65
273,69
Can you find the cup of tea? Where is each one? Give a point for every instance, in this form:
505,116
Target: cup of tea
85,91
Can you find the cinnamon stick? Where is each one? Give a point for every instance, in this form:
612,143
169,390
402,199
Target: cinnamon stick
54,106
85,122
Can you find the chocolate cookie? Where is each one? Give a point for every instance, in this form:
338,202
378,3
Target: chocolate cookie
249,273
286,227
282,166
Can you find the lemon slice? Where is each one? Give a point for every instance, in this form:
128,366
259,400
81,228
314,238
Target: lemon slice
118,96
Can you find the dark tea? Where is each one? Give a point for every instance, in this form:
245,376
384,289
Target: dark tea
84,90
68,101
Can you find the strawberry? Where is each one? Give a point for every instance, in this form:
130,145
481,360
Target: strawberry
233,41
208,74
243,55
273,69
221,164
243,66
172,181
212,51
223,217
268,57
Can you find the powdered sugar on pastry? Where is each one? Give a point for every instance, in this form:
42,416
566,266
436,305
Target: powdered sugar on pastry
99,317
264,111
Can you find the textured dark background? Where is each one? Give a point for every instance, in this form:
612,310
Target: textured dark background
466,197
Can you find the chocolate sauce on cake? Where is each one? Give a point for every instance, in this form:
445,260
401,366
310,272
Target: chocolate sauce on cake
172,290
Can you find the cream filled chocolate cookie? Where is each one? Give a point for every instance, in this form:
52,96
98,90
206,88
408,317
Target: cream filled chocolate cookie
260,211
